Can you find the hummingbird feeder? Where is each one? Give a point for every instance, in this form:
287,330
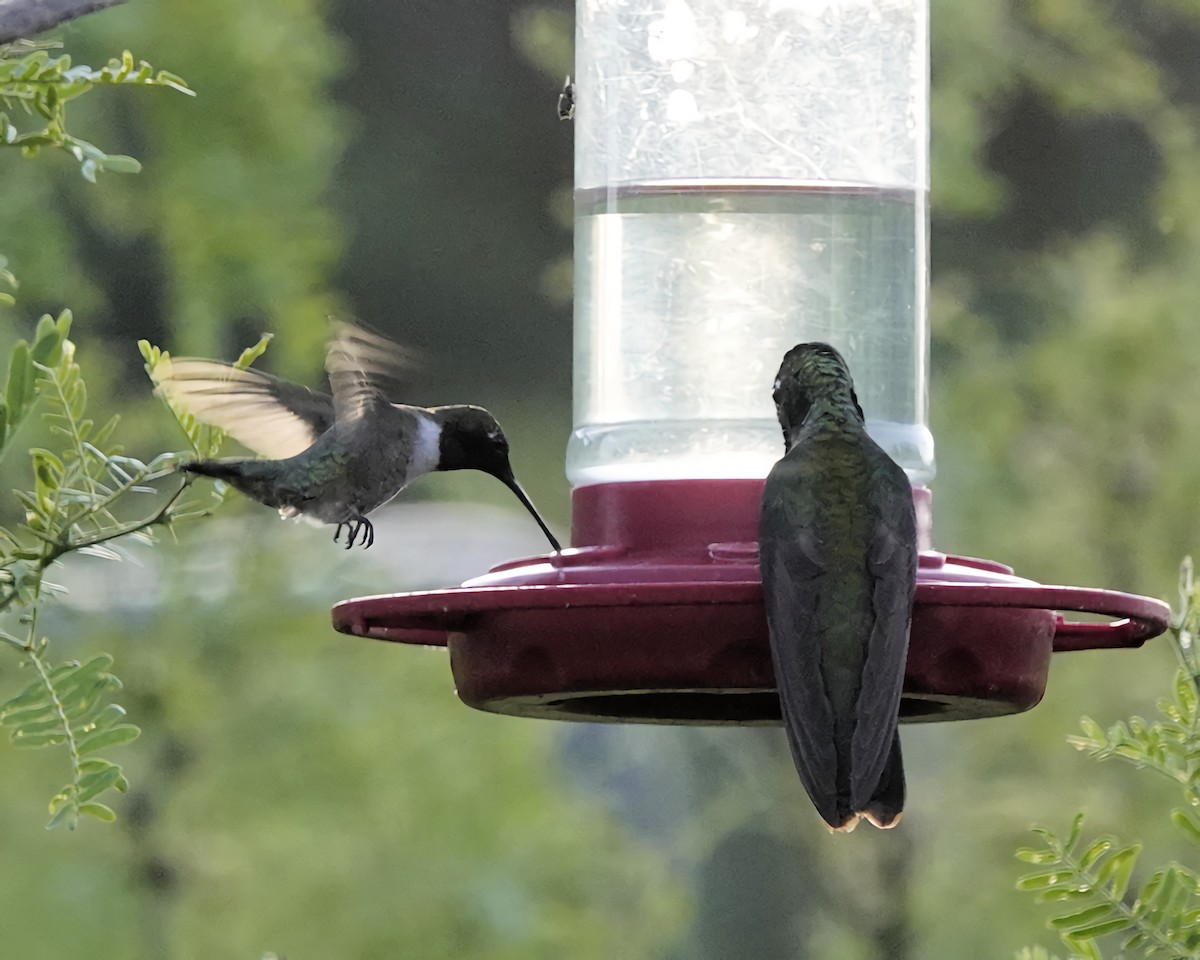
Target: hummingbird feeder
747,177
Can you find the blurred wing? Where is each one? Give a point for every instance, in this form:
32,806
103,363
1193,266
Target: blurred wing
364,369
791,565
892,559
272,417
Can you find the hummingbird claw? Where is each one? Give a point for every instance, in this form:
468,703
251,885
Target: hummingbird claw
353,527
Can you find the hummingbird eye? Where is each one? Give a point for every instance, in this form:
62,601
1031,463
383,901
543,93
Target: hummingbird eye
497,441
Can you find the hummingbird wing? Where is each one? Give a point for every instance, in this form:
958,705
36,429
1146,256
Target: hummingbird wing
365,369
791,562
272,417
892,561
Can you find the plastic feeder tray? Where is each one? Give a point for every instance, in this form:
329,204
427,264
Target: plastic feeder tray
656,616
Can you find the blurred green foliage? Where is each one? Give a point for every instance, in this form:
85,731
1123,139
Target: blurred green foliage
42,85
78,490
76,501
69,508
1089,882
315,795
227,222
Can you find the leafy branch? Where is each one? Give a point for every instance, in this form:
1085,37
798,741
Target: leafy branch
1092,879
79,502
40,85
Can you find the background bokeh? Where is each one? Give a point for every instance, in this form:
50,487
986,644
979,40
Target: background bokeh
319,796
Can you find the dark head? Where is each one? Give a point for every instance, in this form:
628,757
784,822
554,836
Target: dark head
471,439
811,372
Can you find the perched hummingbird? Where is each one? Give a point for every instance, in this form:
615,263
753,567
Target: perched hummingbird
838,554
335,458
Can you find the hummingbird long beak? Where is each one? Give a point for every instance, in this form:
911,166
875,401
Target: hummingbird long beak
510,481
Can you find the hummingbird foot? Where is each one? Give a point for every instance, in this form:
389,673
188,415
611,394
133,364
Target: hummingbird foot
353,527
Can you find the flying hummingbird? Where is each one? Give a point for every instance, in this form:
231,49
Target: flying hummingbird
838,555
335,458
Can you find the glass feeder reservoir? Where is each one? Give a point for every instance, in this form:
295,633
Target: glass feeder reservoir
748,176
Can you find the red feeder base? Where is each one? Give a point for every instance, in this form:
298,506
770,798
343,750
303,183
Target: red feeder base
656,617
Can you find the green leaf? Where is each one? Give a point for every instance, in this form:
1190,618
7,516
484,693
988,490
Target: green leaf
98,664
1076,829
86,701
1082,948
250,354
18,391
1093,731
66,814
96,783
116,163
25,730
1189,879
31,714
1155,896
99,811
1094,852
150,353
1118,868
105,718
1149,891
1183,820
1175,894
94,764
1041,881
1084,918
112,737
1030,855
1060,894
47,461
47,739
69,685
49,337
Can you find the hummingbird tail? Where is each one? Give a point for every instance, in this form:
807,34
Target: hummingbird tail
227,470
887,802
258,479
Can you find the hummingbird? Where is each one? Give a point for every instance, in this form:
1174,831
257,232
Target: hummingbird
335,458
838,556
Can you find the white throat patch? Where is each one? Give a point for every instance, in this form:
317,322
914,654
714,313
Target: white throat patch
427,447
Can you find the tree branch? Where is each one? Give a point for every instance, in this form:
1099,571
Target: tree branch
20,19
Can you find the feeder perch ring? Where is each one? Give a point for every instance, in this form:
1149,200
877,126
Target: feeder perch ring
672,634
